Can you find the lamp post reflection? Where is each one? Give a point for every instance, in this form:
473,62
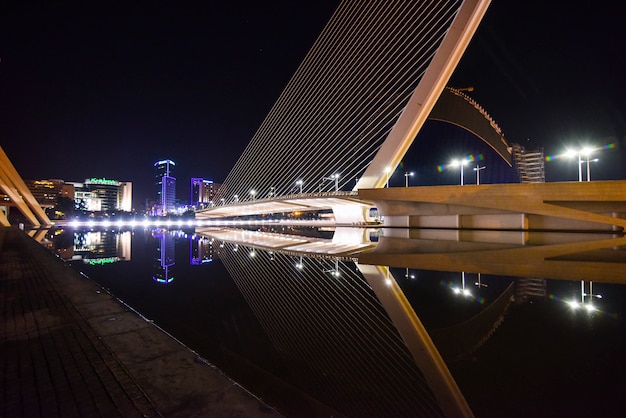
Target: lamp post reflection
300,264
479,283
586,299
335,272
462,290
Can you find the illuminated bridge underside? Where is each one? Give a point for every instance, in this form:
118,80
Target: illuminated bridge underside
346,206
344,245
596,257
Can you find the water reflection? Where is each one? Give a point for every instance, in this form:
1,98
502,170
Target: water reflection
164,256
92,247
462,322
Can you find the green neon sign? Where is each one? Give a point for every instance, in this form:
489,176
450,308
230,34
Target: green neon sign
101,261
96,180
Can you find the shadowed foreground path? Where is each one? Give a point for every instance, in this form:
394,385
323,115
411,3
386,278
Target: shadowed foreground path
69,349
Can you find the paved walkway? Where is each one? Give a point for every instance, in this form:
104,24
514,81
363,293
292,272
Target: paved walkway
69,349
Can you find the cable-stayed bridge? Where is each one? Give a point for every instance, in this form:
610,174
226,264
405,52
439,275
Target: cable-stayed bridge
354,106
357,100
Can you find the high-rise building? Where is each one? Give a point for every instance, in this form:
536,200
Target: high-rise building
202,192
101,194
45,191
165,187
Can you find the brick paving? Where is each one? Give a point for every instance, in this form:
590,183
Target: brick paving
69,349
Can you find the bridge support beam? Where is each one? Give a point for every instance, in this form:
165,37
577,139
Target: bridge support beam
351,214
586,206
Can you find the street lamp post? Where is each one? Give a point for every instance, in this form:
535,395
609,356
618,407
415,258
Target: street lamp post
406,178
457,163
580,153
477,169
300,183
387,172
336,178
253,194
587,153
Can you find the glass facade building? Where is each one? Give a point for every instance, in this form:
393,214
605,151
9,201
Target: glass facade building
165,184
202,192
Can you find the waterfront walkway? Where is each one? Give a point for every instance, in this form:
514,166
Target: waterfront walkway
70,349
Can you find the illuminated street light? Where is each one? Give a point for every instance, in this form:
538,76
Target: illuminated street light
253,194
477,169
300,183
461,163
586,152
406,178
336,178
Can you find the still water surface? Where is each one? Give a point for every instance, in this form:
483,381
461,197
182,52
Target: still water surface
303,322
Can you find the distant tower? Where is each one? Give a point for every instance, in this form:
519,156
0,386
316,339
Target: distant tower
165,187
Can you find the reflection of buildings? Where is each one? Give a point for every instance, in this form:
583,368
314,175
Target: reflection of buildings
200,250
102,247
164,256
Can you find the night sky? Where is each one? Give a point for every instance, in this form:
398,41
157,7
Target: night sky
105,89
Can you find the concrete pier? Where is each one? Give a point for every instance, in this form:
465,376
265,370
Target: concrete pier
71,349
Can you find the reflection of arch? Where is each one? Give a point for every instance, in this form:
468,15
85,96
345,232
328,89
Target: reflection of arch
13,186
460,340
459,109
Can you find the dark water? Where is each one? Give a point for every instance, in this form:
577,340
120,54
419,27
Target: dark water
321,336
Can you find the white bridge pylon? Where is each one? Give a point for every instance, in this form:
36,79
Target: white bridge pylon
358,99
425,95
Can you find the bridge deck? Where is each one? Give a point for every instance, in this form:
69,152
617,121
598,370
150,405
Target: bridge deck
598,205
